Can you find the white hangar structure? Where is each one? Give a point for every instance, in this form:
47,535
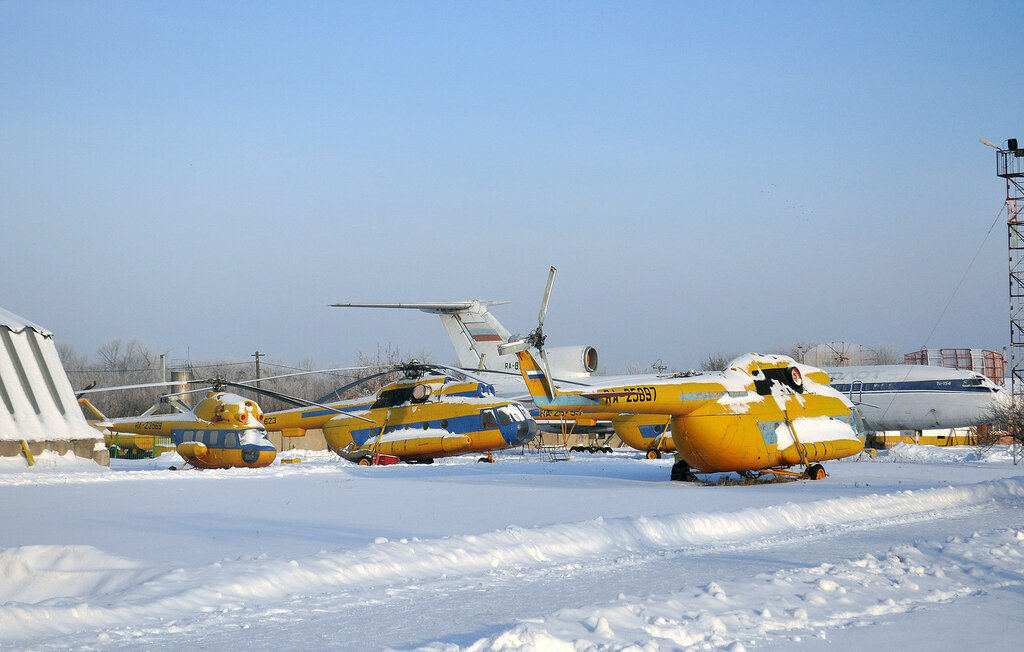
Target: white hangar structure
37,404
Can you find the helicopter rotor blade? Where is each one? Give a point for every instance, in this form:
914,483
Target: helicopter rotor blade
519,375
336,394
306,373
293,399
513,347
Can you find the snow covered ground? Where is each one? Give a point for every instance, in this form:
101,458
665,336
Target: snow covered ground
920,547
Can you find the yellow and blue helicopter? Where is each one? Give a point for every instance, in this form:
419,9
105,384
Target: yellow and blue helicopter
222,430
417,419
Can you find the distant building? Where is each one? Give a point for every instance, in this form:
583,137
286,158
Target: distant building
990,364
37,404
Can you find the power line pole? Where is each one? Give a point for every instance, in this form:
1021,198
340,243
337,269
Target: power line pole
258,355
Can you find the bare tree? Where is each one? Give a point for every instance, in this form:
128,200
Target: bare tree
717,361
1007,423
887,355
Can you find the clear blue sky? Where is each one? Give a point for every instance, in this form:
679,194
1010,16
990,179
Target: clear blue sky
707,177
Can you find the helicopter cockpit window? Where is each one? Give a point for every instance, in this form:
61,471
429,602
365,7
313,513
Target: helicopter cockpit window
250,436
488,419
504,417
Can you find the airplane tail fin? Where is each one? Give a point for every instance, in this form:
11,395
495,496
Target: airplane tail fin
476,334
537,381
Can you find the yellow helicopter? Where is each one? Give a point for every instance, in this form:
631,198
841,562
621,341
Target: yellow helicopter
222,430
416,419
764,413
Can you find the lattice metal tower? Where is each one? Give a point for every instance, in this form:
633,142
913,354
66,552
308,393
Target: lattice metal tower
1010,166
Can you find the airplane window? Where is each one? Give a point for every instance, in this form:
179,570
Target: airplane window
488,420
504,418
973,382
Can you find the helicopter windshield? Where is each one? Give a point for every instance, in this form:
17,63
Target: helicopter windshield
252,436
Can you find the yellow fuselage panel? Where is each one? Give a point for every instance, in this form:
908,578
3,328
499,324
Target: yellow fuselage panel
645,432
147,427
713,443
422,447
129,440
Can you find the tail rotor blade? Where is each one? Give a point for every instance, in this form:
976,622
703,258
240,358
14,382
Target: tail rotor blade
547,295
549,387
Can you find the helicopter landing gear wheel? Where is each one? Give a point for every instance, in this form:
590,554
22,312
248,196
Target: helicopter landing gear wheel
365,461
653,454
816,472
681,473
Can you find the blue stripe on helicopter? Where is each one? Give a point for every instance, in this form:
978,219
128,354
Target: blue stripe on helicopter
347,408
217,439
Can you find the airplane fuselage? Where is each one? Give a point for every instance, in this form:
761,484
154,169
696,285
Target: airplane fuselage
917,397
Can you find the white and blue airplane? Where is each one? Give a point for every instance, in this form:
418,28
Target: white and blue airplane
918,397
886,397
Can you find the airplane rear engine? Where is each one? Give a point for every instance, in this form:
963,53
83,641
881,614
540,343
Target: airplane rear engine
573,359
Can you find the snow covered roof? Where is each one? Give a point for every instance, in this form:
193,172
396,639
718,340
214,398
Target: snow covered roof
37,402
18,324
